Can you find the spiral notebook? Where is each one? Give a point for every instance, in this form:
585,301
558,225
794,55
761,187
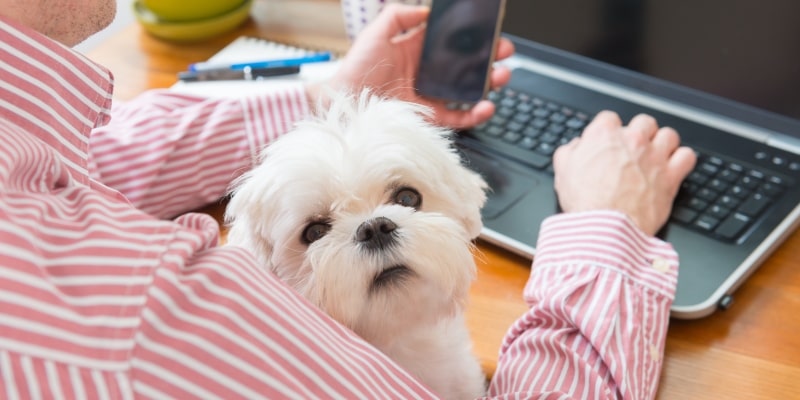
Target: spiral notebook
246,49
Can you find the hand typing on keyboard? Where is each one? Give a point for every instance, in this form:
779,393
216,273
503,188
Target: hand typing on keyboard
635,169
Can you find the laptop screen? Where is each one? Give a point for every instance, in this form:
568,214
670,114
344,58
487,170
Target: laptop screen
743,50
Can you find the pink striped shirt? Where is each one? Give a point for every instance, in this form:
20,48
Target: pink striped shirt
100,297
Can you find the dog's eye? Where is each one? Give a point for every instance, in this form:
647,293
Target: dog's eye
315,231
408,197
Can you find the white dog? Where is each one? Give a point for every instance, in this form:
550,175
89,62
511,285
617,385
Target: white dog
368,212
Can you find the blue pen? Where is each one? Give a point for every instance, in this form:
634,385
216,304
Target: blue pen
286,62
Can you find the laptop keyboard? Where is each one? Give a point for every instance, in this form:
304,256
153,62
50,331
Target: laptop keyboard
528,129
720,198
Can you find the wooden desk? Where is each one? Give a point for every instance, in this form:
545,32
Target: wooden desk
751,351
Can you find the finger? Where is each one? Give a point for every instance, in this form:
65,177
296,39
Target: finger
680,164
414,35
604,121
643,126
401,18
504,49
460,119
500,76
482,112
666,140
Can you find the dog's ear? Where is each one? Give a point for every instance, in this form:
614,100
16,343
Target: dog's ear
244,225
473,196
250,213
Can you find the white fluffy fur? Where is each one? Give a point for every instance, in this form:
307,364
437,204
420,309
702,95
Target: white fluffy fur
343,168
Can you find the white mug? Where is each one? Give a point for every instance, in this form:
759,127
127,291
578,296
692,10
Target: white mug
358,13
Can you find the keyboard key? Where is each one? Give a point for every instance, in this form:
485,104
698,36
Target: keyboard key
716,161
495,130
717,211
541,113
708,168
756,174
697,177
558,118
683,214
749,182
546,149
706,222
770,189
508,102
556,128
549,137
732,226
738,191
718,184
737,168
697,204
707,194
539,123
575,123
524,108
777,180
505,112
728,175
528,143
514,126
522,118
532,132
728,201
512,137
754,204
497,120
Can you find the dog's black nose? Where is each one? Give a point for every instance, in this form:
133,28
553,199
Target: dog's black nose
376,233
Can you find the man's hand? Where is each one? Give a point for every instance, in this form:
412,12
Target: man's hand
636,169
385,58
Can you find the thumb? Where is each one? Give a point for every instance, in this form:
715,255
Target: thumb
399,18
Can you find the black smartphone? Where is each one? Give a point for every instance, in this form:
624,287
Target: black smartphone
460,41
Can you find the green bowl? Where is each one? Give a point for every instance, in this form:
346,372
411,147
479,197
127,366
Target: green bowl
190,10
191,31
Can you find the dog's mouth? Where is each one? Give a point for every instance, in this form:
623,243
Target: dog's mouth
391,276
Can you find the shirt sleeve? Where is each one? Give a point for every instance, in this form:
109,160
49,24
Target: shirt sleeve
169,153
600,293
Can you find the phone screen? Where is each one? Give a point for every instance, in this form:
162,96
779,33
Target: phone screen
460,40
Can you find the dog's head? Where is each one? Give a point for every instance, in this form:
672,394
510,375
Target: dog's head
366,211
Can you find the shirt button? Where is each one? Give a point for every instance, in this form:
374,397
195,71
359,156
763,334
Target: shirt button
655,355
660,265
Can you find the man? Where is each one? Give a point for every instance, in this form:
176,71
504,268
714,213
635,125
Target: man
102,298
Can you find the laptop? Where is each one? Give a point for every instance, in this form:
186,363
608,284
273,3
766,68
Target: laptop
723,73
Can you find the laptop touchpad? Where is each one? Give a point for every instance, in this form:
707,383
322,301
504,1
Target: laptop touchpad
507,182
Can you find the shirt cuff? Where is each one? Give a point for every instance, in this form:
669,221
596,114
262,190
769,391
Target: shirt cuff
610,240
